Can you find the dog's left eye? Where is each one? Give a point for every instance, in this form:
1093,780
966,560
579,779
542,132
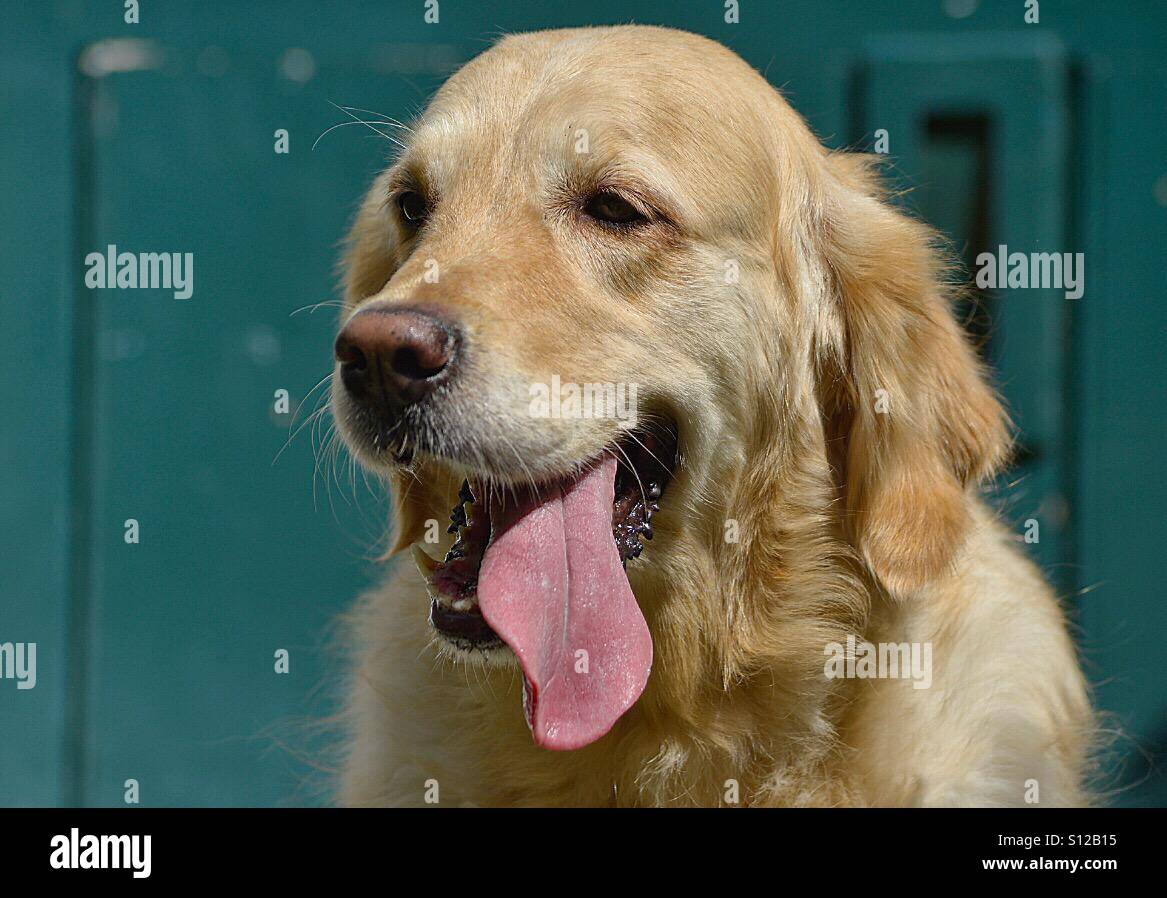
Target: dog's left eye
611,208
413,206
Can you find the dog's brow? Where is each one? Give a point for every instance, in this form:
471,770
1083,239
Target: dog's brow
408,176
635,172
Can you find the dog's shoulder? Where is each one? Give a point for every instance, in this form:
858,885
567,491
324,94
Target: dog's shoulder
1004,718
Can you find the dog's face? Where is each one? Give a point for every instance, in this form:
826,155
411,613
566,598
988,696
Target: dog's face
567,216
615,291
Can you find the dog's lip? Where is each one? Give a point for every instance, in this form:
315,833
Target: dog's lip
659,433
468,626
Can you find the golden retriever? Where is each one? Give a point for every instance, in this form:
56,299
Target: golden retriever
645,603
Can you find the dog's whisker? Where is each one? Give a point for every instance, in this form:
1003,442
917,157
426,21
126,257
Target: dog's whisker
357,120
632,467
308,395
312,307
382,117
370,125
306,422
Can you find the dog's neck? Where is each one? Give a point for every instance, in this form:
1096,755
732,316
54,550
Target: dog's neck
740,627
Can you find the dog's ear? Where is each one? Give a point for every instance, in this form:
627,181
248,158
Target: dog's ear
912,419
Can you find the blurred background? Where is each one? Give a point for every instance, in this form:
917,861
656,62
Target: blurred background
156,660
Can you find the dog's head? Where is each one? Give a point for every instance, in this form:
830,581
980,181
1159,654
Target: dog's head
613,291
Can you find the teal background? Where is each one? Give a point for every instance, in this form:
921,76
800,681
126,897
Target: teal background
155,661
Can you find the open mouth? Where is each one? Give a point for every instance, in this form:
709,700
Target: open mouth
543,571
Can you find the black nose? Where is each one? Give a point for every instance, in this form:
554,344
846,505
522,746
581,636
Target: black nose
395,356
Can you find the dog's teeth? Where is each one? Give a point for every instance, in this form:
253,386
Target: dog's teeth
463,605
654,491
425,565
457,518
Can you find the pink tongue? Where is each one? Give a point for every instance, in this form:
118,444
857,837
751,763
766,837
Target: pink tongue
552,586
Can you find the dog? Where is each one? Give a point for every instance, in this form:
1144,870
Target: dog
670,603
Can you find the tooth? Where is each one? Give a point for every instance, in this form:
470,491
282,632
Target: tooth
425,565
458,518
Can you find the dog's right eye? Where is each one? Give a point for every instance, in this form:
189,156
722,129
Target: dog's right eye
413,206
609,208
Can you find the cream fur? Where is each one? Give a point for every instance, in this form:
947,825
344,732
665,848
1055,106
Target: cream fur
851,521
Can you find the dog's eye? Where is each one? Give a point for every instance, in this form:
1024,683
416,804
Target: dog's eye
413,206
611,208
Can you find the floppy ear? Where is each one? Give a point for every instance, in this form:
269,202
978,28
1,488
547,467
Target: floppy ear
915,422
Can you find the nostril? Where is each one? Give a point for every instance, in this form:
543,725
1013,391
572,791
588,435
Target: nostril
352,358
416,363
349,354
354,365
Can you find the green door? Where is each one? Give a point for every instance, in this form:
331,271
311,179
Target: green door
157,659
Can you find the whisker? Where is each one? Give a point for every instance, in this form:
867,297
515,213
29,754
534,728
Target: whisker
357,120
319,383
635,473
293,436
312,307
632,436
384,119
